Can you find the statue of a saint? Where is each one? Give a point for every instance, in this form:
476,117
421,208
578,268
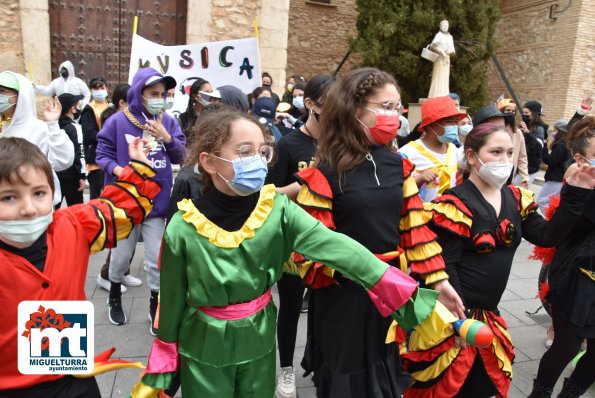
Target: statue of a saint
444,46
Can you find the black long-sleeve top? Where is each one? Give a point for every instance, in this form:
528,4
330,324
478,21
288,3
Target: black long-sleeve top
90,129
480,278
556,161
67,124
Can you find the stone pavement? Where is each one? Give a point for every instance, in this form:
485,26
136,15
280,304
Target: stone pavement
133,340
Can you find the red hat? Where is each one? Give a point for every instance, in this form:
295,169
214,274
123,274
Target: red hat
438,108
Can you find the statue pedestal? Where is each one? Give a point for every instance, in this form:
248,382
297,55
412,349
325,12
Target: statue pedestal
414,114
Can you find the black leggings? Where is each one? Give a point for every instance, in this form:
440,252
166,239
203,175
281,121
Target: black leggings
291,293
564,348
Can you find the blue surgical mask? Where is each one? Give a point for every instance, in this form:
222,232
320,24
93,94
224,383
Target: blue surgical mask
169,103
4,104
99,94
154,105
249,174
451,134
298,102
25,231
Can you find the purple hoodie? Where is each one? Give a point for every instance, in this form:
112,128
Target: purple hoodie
113,138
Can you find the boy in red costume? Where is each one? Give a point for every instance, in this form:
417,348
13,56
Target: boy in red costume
45,253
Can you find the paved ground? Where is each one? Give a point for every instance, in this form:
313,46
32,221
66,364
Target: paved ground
133,340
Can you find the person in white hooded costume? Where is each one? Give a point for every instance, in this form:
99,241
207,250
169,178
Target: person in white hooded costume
66,83
19,119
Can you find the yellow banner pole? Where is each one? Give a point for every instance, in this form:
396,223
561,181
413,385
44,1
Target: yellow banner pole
256,28
135,25
257,34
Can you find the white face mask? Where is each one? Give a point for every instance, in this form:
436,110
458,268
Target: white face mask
465,129
494,173
25,231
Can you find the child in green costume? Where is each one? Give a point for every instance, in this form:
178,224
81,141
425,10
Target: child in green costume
221,255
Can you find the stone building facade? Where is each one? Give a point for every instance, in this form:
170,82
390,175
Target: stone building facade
546,47
318,36
547,51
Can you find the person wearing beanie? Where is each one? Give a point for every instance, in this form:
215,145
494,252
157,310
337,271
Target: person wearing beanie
520,171
72,180
19,119
535,134
434,154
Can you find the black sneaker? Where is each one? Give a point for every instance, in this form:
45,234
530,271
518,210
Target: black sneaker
153,301
115,313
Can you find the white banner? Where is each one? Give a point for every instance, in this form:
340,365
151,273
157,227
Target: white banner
231,62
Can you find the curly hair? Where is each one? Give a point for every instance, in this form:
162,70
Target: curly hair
212,132
580,134
343,143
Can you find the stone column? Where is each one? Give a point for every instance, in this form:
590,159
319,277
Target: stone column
273,18
35,30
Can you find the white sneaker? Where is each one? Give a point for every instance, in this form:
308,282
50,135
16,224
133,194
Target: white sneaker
105,284
286,384
131,281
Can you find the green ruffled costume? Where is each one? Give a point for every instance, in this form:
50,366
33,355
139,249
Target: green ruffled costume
204,265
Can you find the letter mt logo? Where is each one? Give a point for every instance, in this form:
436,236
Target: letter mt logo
56,337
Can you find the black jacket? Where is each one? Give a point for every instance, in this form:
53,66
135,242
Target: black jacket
67,124
534,142
90,130
556,161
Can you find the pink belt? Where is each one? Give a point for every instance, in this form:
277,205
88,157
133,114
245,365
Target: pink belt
233,312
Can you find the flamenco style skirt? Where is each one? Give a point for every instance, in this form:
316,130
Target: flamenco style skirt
346,347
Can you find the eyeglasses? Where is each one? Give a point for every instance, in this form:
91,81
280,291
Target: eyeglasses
389,108
247,153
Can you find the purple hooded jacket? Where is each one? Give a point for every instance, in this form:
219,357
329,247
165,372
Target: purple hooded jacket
113,138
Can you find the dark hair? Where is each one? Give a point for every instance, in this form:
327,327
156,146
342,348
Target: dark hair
478,137
267,74
257,92
120,93
212,132
561,136
207,110
343,143
535,121
194,89
580,135
316,90
16,153
298,79
293,111
96,81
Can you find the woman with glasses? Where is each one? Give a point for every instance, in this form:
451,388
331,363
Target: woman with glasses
362,189
435,154
221,255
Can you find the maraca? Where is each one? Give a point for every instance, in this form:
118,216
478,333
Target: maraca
474,332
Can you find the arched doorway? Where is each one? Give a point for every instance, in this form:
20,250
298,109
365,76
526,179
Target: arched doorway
96,34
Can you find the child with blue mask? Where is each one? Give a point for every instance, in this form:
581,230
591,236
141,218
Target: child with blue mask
434,154
221,255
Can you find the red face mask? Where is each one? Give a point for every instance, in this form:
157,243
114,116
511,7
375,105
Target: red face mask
384,129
